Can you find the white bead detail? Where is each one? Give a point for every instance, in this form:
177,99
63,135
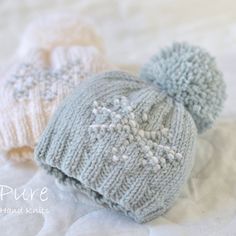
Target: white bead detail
164,131
179,156
115,158
121,119
95,103
112,127
155,145
170,157
155,159
162,160
141,133
145,117
117,102
172,152
167,148
156,167
150,153
146,148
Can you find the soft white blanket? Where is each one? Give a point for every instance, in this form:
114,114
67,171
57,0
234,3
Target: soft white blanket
133,30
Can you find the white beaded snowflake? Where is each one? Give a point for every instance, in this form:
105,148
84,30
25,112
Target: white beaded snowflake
120,117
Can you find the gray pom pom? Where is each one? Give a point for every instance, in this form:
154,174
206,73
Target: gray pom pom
189,75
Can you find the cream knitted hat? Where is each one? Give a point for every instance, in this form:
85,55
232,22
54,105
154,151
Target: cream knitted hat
55,55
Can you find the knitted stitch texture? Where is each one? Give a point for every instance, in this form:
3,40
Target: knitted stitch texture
62,52
128,143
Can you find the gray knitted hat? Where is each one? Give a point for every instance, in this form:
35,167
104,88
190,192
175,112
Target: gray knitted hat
128,143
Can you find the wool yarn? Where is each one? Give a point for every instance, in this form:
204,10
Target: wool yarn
55,55
128,142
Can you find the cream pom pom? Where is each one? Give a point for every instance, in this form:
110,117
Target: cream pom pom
51,31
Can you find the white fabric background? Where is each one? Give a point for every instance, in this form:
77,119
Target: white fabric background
133,30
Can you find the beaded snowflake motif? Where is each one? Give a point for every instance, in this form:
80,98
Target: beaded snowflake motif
27,77
120,117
